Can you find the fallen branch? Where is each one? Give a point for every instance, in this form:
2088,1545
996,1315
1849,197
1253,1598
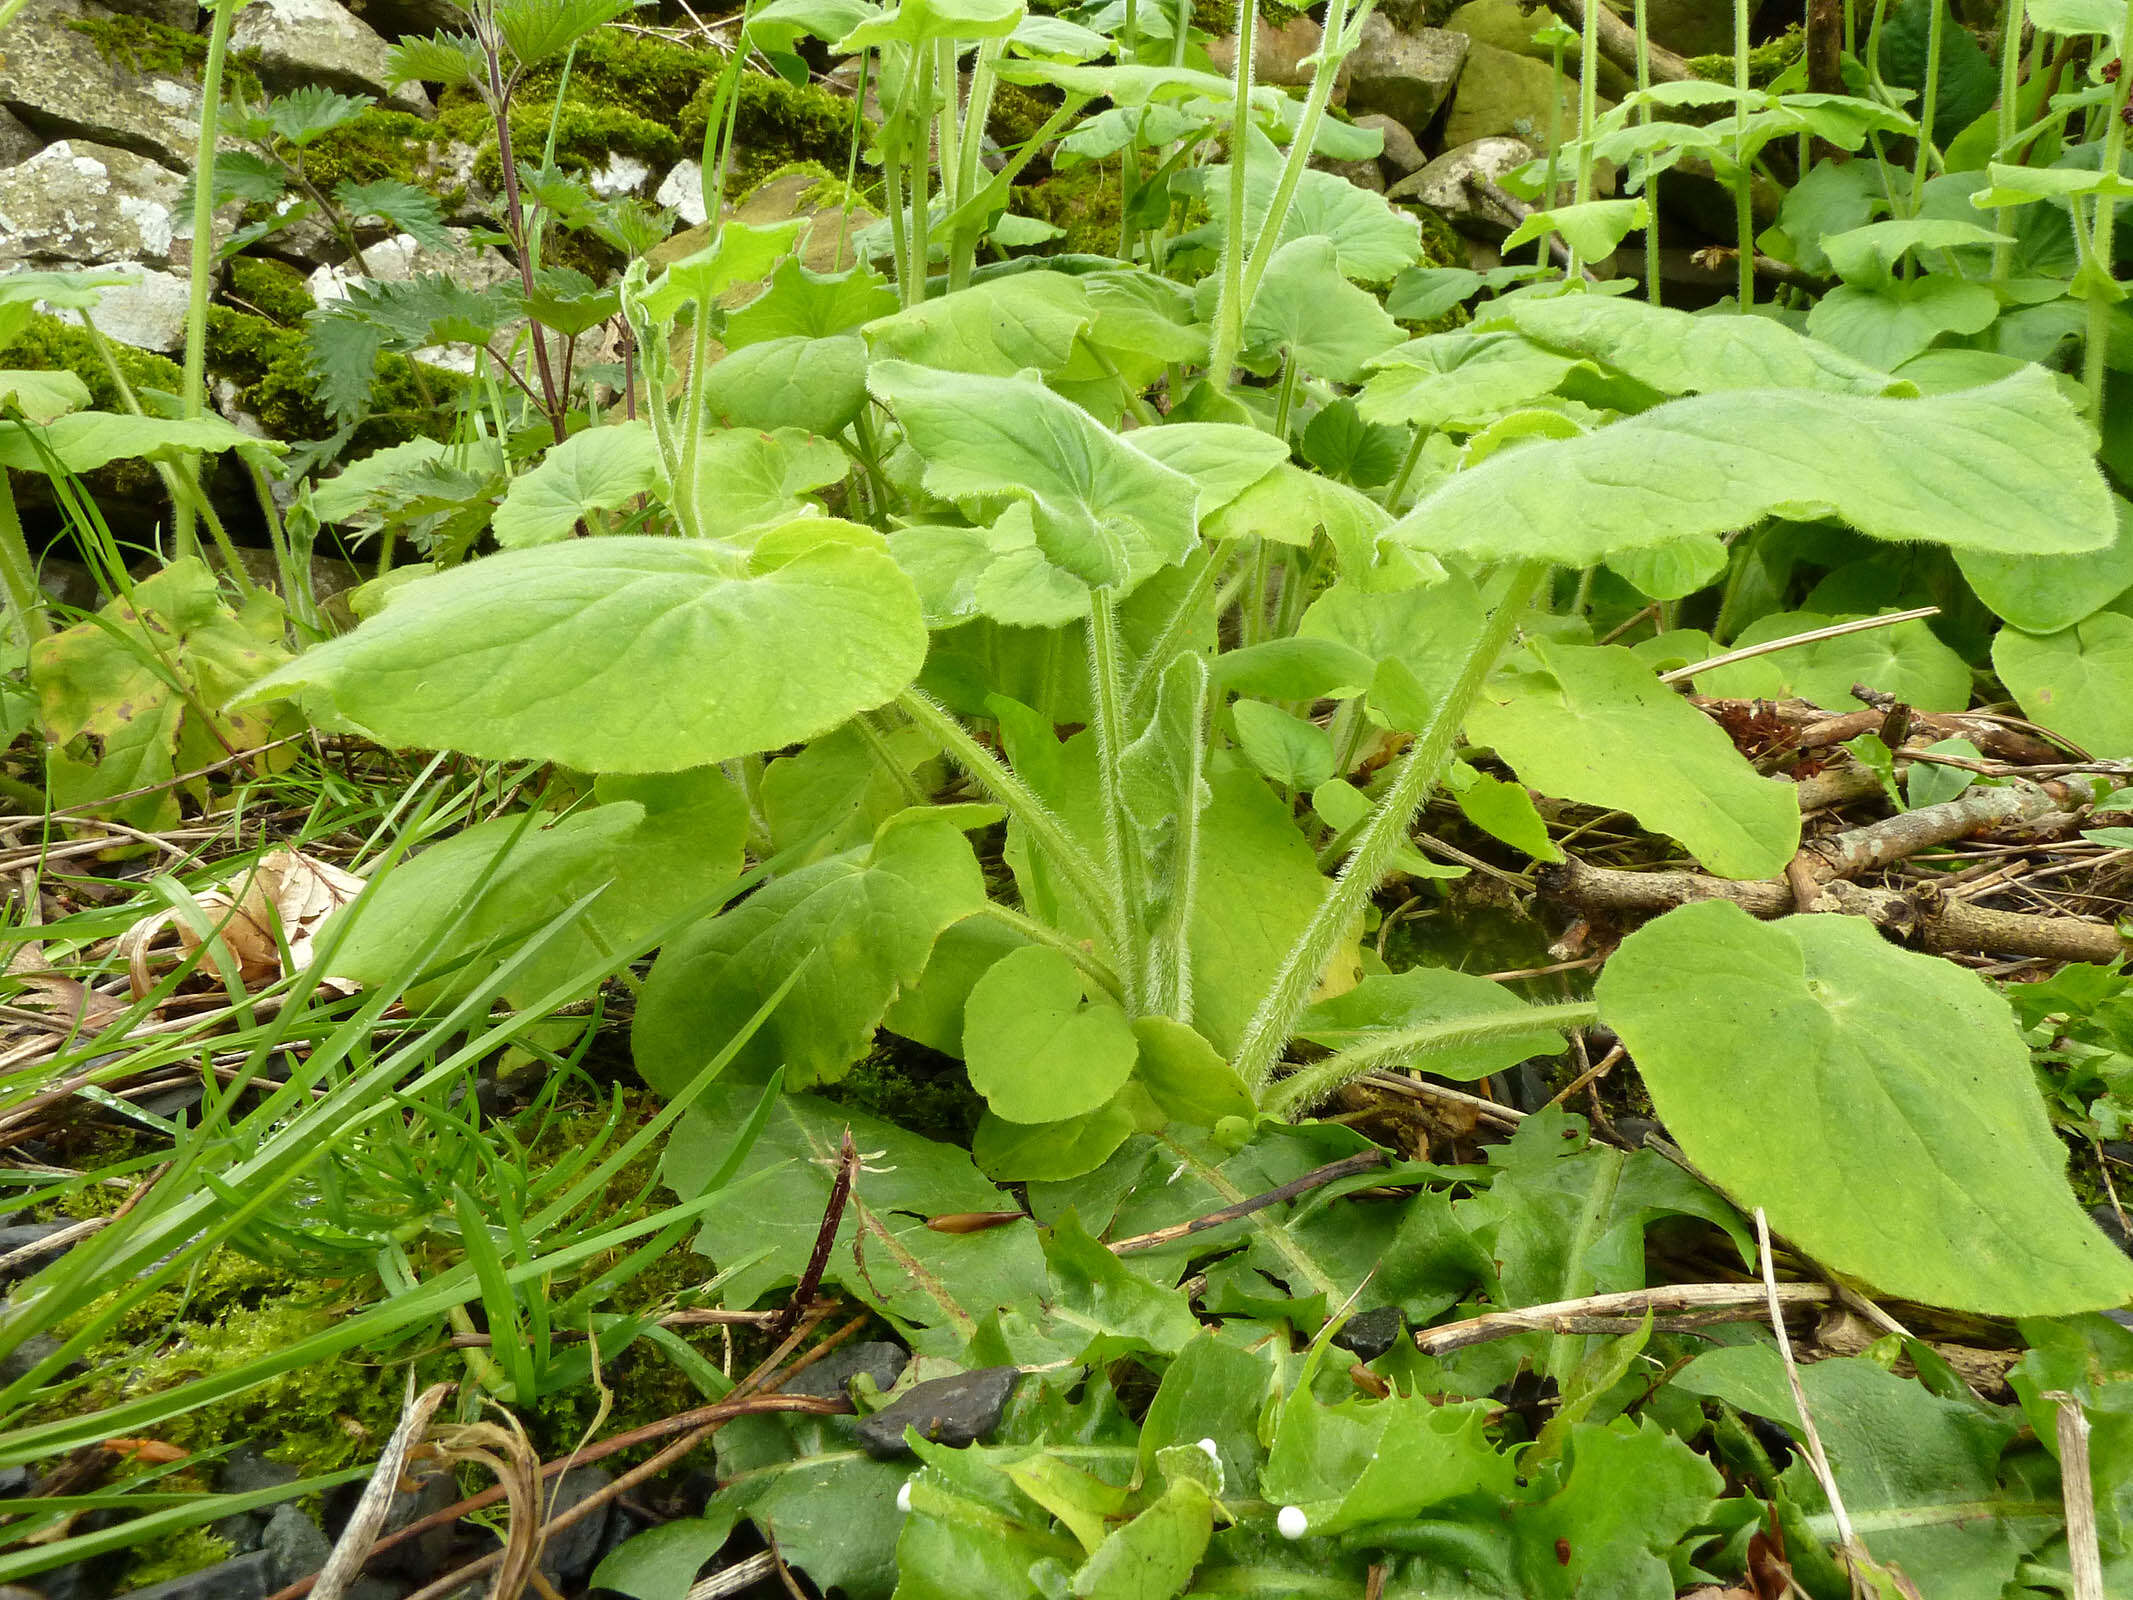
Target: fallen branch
1317,1177
1684,1305
1922,914
1618,43
1979,810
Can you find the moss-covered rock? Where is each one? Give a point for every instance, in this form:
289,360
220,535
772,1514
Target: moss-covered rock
1018,112
376,144
140,44
274,289
774,125
270,364
1765,61
1086,201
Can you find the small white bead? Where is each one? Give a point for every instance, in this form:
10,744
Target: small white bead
1292,1522
1213,1454
903,1496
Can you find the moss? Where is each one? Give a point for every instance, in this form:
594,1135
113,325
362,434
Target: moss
146,47
271,366
1017,114
377,144
653,77
272,288
774,125
46,344
586,135
1765,61
915,1088
177,1555
1086,201
1442,245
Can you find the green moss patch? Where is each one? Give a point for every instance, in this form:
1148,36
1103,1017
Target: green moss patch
1086,201
272,288
376,144
146,47
775,125
1765,61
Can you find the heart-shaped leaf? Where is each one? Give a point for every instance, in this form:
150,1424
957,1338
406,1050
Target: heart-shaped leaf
1037,1049
1877,1103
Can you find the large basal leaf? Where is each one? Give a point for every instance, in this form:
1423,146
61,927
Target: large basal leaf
814,385
1037,1048
1878,1103
1307,312
856,929
2043,594
1599,728
1676,353
1459,377
747,479
620,655
994,329
2078,682
1886,324
1103,511
1957,469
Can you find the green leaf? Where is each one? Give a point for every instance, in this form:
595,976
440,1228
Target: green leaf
661,1563
2077,17
1306,311
1968,84
451,59
1048,1152
534,30
42,396
1212,1390
1630,1497
805,1482
738,253
858,928
1258,885
1037,1049
1446,379
1592,229
993,329
1384,1004
1358,1462
1297,668
401,205
1103,511
1878,1103
809,305
1674,570
620,655
1153,1556
921,21
86,440
747,479
1292,752
1342,445
598,469
807,385
1503,810
1186,1076
2078,682
1598,727
1372,241
997,572
1676,353
1955,469
1868,255
2045,594
1119,1312
1224,458
1907,660
1887,324
935,1287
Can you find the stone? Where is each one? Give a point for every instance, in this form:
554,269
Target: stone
683,190
1363,174
1369,1334
54,78
568,1555
18,140
1691,27
622,175
184,14
422,1557
38,1348
301,42
147,314
832,1375
247,1577
401,259
952,1411
398,19
1405,75
1402,153
1443,187
293,1545
1280,56
21,1235
1502,93
81,204
1508,25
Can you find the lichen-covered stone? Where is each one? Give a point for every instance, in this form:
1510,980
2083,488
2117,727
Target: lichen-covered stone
1407,75
1281,52
1504,94
91,204
1442,185
81,73
147,314
299,42
18,140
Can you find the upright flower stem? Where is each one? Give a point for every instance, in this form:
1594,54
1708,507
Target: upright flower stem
1651,181
193,386
2102,244
1271,1026
1228,334
2005,127
1929,103
1743,185
1121,839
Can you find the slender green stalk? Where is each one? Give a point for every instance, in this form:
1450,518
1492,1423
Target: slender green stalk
851,163
1228,336
1549,196
1588,105
9,9
1285,397
1408,463
2102,246
1129,868
1651,179
193,385
962,254
877,743
1268,1032
1929,102
1001,781
1323,77
1306,1087
18,572
920,229
1743,183
2005,127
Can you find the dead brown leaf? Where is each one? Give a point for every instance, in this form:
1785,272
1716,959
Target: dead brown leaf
287,892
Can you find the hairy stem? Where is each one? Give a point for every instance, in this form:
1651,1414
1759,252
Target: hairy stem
1743,181
2005,127
2102,248
1306,1087
1267,1034
1229,305
1121,837
193,387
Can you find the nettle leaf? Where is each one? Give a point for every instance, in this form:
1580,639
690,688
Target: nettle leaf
1307,312
1907,660
1037,1048
1878,1103
628,654
451,59
935,1287
1956,469
1342,445
2078,682
2044,594
994,329
411,210
857,928
812,385
1599,728
1444,379
1102,510
598,469
1676,353
1387,1004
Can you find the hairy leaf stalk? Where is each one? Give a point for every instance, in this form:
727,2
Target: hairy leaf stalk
1128,869
2102,247
1306,1087
1268,1033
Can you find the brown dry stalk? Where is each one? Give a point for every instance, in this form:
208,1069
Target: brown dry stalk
1683,1305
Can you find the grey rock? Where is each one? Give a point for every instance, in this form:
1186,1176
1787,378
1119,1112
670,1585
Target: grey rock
1369,1334
396,19
400,259
1508,25
952,1411
13,1481
1402,154
75,203
1280,56
301,42
423,1556
246,1471
23,1234
293,1544
147,314
879,1359
683,189
18,140
622,175
569,1554
247,1577
1363,174
1443,187
1407,76
25,1357
54,78
1502,93
9,1591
